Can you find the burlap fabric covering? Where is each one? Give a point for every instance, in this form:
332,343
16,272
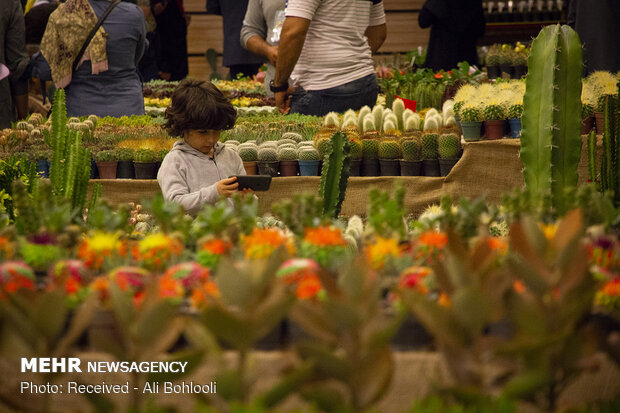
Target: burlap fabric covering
490,168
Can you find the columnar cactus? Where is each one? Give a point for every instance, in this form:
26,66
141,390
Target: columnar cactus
411,149
551,120
449,146
377,113
364,111
332,121
430,146
432,123
335,175
389,150
398,107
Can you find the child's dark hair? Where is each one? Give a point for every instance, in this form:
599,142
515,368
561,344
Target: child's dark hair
199,105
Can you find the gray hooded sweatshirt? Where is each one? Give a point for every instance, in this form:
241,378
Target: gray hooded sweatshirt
188,177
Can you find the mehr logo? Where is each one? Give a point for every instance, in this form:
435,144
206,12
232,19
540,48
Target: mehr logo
51,365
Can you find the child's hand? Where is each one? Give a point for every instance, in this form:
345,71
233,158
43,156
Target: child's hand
227,186
247,191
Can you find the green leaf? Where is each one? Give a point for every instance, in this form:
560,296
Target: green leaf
526,384
289,384
327,398
153,321
51,314
231,328
472,309
324,359
372,377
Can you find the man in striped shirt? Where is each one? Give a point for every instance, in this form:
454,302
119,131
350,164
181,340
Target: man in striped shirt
329,43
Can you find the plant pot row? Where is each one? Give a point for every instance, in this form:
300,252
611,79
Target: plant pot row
490,129
401,167
124,170
514,72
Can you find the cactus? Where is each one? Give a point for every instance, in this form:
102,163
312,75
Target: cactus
457,109
407,113
389,150
124,154
592,167
144,155
608,161
332,121
309,154
411,149
551,118
267,154
494,112
285,141
515,111
377,113
389,126
364,111
22,125
370,148
248,153
335,175
369,124
232,142
93,119
430,146
587,110
470,113
324,146
90,124
449,146
431,123
356,148
492,57
398,107
349,123
296,137
304,144
287,154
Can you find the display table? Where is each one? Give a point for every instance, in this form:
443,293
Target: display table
490,168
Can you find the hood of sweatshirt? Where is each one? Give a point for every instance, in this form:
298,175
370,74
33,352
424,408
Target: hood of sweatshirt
184,147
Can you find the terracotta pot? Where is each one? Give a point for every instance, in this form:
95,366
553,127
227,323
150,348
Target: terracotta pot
250,167
145,170
493,129
587,125
107,170
598,116
410,168
390,167
288,168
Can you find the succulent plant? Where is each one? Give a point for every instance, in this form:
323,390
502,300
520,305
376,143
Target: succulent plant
248,153
349,123
389,126
370,148
515,111
22,125
449,146
470,113
356,148
109,155
389,149
36,134
520,59
266,154
304,144
430,146
309,154
377,113
505,56
586,111
369,124
232,142
492,57
293,136
332,121
324,146
412,123
494,112
125,154
411,149
73,119
94,119
364,111
284,141
432,122
145,155
287,154
398,107
90,124
457,108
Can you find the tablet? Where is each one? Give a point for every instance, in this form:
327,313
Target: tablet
253,182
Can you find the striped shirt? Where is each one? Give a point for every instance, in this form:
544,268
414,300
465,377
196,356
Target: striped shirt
336,51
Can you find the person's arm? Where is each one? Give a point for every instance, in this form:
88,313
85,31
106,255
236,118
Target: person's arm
376,36
254,33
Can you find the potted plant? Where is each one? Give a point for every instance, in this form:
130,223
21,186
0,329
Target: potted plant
514,119
519,61
492,62
587,118
494,115
287,156
370,157
107,162
449,149
145,164
42,158
356,157
309,160
430,154
267,161
389,155
470,122
249,155
125,169
505,60
411,164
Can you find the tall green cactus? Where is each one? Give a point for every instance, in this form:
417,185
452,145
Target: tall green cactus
609,163
335,175
592,167
551,138
58,140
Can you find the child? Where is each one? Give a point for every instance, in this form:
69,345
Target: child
196,171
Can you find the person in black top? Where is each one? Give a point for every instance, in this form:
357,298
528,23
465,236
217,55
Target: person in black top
171,39
455,27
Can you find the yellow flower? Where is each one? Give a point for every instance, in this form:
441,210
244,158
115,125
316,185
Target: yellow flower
379,252
104,241
548,230
155,241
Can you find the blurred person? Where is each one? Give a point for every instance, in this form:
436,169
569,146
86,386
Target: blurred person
329,43
455,26
236,58
106,81
14,63
170,39
260,34
596,22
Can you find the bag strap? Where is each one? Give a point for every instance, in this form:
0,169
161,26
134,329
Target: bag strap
93,32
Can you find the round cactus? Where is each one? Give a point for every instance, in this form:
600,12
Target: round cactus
370,148
232,142
248,153
377,113
286,141
411,149
412,122
515,111
356,149
389,126
287,154
431,123
93,119
293,136
143,155
494,112
23,125
470,113
309,154
267,154
36,134
332,120
369,124
449,146
304,144
324,146
389,150
430,149
364,111
90,124
73,119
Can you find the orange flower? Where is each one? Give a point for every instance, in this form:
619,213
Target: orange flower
518,286
72,286
612,288
94,249
261,243
170,287
324,236
433,239
308,287
216,246
412,277
499,244
200,294
438,75
6,248
444,300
